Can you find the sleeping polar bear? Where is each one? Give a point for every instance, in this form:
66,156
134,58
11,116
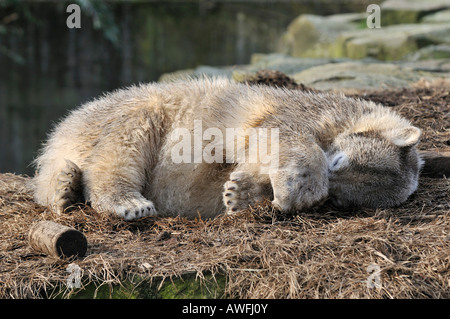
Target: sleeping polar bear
188,148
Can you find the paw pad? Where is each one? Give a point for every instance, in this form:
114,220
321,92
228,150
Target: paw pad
239,192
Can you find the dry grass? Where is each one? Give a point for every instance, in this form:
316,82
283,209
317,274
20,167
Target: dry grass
319,253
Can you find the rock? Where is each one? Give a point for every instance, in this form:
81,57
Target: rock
392,42
438,17
347,36
409,11
328,74
438,35
359,75
284,63
273,61
431,52
312,35
437,66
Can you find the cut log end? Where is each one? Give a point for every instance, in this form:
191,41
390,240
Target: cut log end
57,240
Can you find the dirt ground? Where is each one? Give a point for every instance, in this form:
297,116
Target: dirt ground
402,252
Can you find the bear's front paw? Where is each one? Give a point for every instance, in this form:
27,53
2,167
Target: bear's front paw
128,207
297,189
240,192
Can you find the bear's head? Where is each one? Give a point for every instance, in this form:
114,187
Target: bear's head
374,168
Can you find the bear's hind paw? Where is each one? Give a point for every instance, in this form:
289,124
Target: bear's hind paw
68,188
135,208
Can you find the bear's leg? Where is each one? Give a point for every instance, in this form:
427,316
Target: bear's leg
58,183
118,169
241,191
68,187
114,183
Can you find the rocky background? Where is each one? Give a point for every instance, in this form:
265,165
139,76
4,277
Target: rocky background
340,52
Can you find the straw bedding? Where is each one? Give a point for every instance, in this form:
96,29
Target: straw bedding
318,253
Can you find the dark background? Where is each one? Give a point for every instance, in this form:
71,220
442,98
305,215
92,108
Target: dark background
47,69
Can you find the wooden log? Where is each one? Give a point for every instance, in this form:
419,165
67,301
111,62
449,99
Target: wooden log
57,240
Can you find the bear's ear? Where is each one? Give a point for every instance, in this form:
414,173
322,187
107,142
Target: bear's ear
404,137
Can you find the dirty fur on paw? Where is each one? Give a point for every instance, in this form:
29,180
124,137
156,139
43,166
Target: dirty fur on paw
68,188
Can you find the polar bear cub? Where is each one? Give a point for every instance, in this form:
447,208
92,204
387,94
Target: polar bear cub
188,148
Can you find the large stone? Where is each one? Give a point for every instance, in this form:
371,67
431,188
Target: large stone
431,52
285,63
312,35
328,74
437,66
358,75
409,11
273,61
438,17
392,42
